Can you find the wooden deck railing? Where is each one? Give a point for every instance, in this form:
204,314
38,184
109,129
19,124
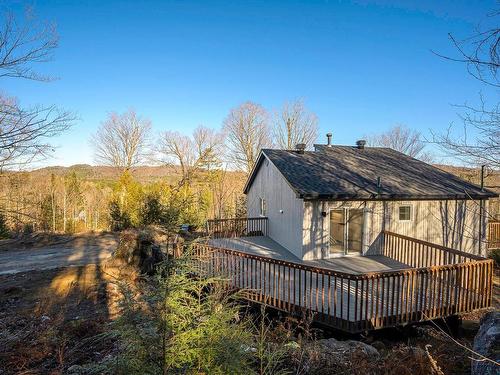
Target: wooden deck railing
353,302
418,253
494,235
240,227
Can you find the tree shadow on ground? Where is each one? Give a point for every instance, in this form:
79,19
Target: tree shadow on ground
49,319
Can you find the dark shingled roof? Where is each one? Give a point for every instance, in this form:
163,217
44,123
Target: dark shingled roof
344,172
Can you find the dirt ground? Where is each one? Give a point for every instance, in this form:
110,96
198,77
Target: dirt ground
49,319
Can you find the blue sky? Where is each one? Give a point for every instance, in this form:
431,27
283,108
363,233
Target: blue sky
360,66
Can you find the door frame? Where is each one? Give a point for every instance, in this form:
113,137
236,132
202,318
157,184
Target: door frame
346,232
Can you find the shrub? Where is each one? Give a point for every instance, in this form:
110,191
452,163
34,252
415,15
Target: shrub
180,324
28,229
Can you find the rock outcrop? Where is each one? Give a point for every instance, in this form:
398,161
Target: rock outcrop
324,355
487,343
140,248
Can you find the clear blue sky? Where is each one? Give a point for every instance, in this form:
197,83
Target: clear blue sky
360,66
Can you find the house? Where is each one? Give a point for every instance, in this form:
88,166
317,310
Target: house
359,237
337,200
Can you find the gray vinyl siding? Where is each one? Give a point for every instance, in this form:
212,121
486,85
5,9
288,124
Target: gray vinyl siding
284,209
452,223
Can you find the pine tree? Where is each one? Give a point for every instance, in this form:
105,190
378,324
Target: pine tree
4,229
180,324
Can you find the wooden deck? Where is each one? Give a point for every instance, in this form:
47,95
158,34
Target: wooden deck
266,247
407,281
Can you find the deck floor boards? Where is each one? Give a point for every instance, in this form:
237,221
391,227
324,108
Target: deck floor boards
266,247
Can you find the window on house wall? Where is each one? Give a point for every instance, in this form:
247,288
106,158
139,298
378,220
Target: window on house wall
262,207
405,213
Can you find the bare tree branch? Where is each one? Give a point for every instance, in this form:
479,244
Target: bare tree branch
25,44
479,142
479,52
247,131
24,132
202,150
294,125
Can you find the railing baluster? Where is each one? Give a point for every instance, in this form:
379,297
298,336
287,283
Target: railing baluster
367,300
310,290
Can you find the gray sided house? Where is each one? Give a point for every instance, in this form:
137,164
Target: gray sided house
337,200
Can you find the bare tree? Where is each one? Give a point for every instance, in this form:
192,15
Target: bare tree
24,43
247,131
479,141
402,139
24,132
122,140
202,150
294,124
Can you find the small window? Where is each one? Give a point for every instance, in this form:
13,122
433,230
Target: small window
262,207
404,213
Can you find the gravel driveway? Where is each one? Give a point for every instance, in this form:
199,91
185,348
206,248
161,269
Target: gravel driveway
80,251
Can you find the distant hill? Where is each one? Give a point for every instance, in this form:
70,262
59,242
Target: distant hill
143,174
89,172
491,178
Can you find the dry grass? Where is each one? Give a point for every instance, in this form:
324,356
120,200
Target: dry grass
48,318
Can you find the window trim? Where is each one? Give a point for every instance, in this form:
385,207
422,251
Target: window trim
411,212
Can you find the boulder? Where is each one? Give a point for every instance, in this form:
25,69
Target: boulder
348,348
138,248
327,354
487,343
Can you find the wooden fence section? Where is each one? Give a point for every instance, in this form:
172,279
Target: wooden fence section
418,253
240,227
494,235
352,302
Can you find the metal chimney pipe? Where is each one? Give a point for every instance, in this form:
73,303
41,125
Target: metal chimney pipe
329,139
361,144
300,147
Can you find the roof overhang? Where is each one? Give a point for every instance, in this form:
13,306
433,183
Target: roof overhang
253,173
385,197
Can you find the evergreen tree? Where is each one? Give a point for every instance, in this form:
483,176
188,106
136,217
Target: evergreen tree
4,229
119,220
180,324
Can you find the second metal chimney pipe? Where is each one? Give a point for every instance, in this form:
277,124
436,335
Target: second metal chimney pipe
329,139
